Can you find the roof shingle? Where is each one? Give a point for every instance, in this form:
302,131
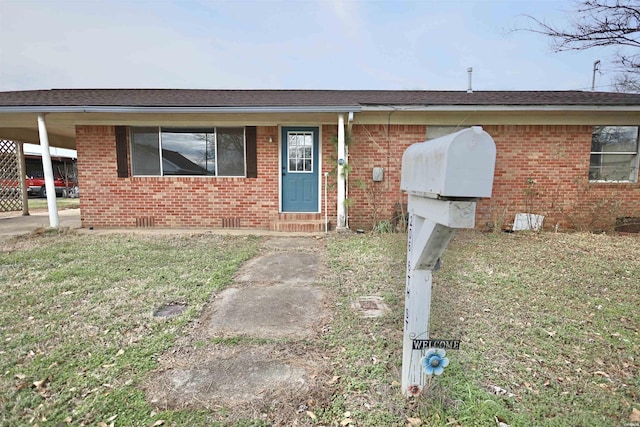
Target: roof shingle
305,98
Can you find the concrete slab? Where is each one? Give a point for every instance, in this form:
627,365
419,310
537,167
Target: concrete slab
275,295
277,311
229,376
283,268
294,244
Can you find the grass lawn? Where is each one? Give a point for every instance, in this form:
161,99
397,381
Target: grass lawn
62,203
549,325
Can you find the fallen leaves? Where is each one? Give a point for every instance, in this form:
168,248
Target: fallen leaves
333,380
41,386
111,422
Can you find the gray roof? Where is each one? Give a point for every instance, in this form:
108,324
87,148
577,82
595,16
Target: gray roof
177,98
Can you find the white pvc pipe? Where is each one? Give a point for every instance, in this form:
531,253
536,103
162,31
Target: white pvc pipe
340,179
326,214
47,168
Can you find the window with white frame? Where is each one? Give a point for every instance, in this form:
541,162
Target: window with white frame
164,151
614,154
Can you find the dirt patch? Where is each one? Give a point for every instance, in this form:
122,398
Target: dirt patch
170,310
276,311
370,306
248,380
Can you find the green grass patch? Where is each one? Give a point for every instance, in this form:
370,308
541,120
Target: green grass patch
61,202
76,316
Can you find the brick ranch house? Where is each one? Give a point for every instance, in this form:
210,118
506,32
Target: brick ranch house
267,159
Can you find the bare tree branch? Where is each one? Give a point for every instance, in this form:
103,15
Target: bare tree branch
600,23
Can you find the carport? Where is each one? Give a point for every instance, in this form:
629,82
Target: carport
24,124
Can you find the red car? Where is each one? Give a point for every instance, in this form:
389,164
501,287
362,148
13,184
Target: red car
64,187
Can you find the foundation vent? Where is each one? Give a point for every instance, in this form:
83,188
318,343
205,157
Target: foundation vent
230,222
145,221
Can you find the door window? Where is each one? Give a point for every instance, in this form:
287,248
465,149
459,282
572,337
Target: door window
300,151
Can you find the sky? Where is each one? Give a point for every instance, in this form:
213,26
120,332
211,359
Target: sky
289,44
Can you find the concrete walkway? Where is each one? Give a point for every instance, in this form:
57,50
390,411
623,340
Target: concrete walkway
13,224
258,339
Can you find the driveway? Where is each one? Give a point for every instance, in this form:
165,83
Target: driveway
14,224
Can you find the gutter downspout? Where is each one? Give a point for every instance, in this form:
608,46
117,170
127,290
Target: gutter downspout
47,168
346,149
341,220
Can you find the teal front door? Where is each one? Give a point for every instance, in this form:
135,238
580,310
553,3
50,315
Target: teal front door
300,169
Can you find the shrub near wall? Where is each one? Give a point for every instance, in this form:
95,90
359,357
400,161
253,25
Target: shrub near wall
544,170
378,146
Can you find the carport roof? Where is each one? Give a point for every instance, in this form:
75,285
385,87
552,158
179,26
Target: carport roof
57,99
65,108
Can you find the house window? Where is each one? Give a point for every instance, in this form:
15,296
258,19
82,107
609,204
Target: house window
614,154
188,151
434,131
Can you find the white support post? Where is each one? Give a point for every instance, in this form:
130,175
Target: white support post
426,241
442,178
47,168
416,314
342,219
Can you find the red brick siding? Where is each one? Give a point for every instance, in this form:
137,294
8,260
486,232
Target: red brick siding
539,169
329,162
108,201
377,146
544,170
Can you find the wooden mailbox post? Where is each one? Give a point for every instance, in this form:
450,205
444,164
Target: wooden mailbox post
443,178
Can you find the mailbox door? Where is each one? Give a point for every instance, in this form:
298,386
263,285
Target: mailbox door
299,169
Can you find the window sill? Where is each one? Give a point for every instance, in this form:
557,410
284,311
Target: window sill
591,182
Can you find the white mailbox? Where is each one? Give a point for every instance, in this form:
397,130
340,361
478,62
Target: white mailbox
459,165
443,178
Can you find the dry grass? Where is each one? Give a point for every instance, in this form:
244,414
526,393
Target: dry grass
549,325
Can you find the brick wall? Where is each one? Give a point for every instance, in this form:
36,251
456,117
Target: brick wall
329,163
108,201
539,169
377,146
544,170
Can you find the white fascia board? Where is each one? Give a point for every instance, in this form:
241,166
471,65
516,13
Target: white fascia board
36,150
501,108
107,109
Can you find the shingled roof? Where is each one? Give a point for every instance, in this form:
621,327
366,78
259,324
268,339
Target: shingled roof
179,98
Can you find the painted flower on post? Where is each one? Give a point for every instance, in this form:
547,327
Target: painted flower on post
434,361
